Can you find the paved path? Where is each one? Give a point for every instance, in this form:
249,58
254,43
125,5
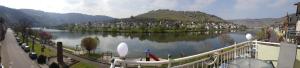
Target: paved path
99,65
12,55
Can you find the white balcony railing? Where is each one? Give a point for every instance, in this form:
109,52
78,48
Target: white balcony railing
212,59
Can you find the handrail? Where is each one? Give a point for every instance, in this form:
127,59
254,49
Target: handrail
266,42
272,43
237,51
178,59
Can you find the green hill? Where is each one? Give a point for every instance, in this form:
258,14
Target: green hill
194,16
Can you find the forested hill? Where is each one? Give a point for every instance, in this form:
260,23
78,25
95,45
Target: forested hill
190,16
41,18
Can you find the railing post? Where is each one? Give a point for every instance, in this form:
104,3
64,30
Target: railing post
235,48
140,66
249,49
170,62
113,62
255,48
123,65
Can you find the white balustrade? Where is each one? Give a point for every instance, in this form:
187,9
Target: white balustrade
225,54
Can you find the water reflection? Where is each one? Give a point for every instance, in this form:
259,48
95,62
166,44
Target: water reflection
160,44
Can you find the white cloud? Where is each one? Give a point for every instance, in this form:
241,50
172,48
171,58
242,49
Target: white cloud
114,8
279,3
250,4
260,8
45,5
253,5
198,4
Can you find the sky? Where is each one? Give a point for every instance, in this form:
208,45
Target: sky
226,9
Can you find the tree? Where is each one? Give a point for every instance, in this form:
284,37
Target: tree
22,27
2,28
89,43
30,32
54,65
45,36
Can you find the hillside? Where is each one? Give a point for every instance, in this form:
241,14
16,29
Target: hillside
251,23
194,16
13,16
56,18
41,18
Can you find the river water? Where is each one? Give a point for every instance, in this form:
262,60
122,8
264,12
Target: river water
160,44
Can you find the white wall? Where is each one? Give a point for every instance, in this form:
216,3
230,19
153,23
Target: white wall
298,26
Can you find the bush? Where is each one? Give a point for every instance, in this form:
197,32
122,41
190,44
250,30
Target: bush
41,59
54,65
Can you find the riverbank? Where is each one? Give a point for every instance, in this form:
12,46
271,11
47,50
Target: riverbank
149,31
50,52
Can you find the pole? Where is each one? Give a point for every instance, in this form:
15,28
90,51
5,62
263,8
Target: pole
113,62
170,62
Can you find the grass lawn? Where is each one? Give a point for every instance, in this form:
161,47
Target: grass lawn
48,52
37,48
83,65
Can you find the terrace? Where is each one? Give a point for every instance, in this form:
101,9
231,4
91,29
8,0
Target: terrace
268,52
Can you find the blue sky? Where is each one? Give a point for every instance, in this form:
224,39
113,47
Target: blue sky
226,9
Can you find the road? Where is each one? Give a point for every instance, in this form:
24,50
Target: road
12,54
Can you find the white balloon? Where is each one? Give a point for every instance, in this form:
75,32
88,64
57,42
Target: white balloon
249,36
122,49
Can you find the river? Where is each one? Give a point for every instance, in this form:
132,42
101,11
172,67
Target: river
160,44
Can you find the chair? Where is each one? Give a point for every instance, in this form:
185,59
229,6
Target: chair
287,55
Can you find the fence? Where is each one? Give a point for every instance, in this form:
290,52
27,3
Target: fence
212,59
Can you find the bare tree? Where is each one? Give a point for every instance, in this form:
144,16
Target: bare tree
2,28
22,27
89,43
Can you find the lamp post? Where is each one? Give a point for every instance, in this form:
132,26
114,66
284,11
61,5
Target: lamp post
249,38
122,50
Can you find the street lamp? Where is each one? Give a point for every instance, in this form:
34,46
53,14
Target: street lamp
249,36
122,49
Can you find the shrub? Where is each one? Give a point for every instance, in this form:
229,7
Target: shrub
54,65
41,59
89,43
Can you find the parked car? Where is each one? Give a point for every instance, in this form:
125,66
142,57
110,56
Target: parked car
23,45
20,43
33,55
26,49
18,39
